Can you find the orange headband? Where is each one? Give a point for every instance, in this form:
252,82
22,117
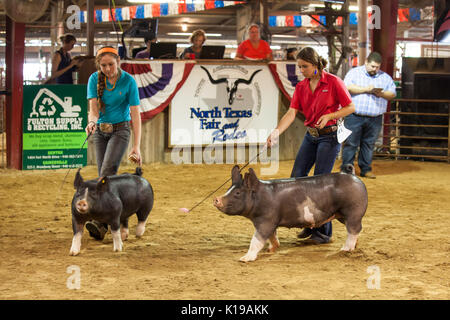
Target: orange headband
110,50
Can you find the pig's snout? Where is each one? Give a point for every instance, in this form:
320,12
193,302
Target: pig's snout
82,206
218,202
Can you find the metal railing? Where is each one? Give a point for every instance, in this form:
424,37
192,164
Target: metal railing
400,142
2,118
2,131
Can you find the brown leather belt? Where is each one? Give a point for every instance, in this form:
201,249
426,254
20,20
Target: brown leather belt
111,127
320,132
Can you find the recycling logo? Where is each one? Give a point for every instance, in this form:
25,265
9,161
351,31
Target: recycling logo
45,103
47,108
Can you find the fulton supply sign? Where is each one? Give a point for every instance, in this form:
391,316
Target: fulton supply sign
54,118
222,104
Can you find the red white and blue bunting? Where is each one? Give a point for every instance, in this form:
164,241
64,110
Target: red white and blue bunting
184,6
157,82
286,76
155,10
411,14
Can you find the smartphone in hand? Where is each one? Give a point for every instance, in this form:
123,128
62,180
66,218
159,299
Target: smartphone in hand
376,90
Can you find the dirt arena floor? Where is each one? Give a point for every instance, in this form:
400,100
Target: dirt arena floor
405,240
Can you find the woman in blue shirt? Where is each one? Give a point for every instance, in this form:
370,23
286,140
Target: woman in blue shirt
113,101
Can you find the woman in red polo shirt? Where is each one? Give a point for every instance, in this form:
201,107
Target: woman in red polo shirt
254,48
322,98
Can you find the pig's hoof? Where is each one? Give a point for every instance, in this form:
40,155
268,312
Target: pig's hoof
117,240
124,234
347,249
140,229
74,252
273,248
248,258
117,247
139,233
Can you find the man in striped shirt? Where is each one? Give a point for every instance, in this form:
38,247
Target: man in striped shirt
371,89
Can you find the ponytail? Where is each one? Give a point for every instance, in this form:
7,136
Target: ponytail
322,63
310,55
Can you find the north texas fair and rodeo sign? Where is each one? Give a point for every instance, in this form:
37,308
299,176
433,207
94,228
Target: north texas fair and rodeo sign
222,104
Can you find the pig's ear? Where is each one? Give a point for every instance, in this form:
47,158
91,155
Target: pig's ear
78,179
246,179
102,184
236,177
252,180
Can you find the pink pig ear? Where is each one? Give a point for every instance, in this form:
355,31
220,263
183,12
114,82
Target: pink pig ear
252,180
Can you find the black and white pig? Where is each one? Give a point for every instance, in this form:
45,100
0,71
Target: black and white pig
305,202
111,200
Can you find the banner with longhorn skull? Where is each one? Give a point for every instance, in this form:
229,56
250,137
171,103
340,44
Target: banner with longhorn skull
223,104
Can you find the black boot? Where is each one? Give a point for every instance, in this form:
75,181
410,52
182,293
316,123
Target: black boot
319,238
96,229
306,232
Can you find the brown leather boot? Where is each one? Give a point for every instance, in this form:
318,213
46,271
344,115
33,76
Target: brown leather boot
369,174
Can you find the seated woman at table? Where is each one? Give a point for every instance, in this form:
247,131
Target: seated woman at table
145,54
197,38
254,48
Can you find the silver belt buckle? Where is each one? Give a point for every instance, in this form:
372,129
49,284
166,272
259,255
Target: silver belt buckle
313,132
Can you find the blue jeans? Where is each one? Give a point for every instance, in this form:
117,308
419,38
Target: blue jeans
365,131
321,151
109,149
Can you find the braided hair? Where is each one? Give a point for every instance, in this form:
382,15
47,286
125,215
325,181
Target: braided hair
101,82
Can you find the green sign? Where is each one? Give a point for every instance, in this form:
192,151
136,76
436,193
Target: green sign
54,118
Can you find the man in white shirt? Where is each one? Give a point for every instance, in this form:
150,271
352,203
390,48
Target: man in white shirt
371,89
